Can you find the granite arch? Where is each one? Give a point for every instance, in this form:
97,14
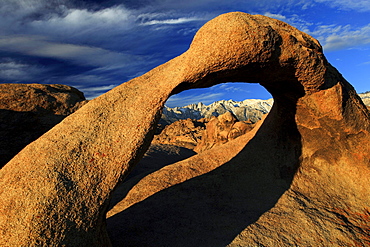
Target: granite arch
56,190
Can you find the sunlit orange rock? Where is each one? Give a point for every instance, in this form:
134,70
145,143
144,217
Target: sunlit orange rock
302,179
29,110
183,133
220,130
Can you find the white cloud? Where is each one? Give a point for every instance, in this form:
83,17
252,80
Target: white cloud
294,20
92,92
358,5
84,17
230,88
83,21
90,36
101,88
183,100
83,55
332,37
20,8
12,71
275,16
171,21
15,14
337,37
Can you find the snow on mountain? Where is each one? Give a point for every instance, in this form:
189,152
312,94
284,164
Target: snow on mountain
365,98
249,109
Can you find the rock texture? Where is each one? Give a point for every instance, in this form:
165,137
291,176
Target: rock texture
203,134
29,110
222,129
302,179
183,133
161,179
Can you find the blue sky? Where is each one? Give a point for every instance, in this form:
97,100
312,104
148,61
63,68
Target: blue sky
97,45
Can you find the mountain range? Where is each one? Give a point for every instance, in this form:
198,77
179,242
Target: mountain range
365,98
249,109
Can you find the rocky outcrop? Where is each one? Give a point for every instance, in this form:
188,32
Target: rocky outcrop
302,179
220,130
246,110
167,177
182,133
203,134
29,110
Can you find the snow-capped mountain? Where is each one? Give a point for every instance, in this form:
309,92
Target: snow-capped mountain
249,109
365,98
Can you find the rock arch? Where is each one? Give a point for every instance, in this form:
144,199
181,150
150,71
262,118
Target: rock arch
56,190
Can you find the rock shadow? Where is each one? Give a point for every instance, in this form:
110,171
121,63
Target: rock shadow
156,157
212,209
18,129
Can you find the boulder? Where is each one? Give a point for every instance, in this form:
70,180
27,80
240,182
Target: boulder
302,179
166,177
183,133
203,134
29,110
220,130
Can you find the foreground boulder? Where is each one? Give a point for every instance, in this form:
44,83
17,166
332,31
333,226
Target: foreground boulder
29,110
220,130
183,133
303,176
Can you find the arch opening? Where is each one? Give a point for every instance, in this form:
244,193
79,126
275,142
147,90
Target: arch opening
221,197
182,131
